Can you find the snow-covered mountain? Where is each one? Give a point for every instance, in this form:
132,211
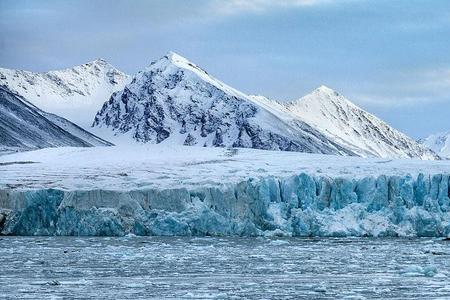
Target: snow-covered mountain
175,101
75,94
23,126
439,143
347,124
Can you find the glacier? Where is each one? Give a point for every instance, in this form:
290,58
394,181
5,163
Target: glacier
299,205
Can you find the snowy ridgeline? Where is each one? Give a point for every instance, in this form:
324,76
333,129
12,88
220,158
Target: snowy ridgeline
295,206
439,143
173,101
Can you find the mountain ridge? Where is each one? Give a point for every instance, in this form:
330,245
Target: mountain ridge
23,126
339,118
75,93
439,143
174,100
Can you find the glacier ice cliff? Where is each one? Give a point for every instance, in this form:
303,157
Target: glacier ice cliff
300,205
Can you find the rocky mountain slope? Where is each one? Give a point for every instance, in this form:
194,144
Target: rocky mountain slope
76,93
352,127
175,101
23,126
439,143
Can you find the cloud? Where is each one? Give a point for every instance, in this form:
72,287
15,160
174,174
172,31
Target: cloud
436,78
434,82
407,88
393,101
232,7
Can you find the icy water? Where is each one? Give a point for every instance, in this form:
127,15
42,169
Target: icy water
223,268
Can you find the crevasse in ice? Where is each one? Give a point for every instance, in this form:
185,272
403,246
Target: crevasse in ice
300,205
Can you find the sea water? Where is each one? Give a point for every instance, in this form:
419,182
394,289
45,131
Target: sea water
223,268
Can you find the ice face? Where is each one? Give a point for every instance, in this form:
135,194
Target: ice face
299,205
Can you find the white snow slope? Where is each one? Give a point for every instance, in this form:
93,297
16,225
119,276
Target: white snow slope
439,143
347,124
169,166
23,126
174,101
76,93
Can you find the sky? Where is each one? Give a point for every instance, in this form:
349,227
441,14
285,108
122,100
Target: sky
392,58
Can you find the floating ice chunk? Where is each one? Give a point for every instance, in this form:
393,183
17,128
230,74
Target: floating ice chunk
279,242
414,270
321,288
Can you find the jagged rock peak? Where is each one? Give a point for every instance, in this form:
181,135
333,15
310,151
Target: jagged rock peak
74,93
439,143
343,121
174,59
100,61
171,63
175,101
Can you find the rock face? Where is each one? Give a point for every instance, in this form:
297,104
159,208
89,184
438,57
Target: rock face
175,101
439,143
300,205
347,124
76,93
24,127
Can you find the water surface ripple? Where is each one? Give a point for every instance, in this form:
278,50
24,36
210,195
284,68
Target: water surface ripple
223,268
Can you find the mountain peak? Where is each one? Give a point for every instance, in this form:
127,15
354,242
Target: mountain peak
325,90
175,101
175,57
322,94
99,62
75,93
439,143
326,96
172,62
341,120
182,62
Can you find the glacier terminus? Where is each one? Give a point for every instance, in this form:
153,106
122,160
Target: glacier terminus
220,192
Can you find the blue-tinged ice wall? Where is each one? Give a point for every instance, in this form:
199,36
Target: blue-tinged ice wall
298,205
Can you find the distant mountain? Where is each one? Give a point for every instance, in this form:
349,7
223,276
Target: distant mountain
175,101
76,93
352,127
439,143
23,126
